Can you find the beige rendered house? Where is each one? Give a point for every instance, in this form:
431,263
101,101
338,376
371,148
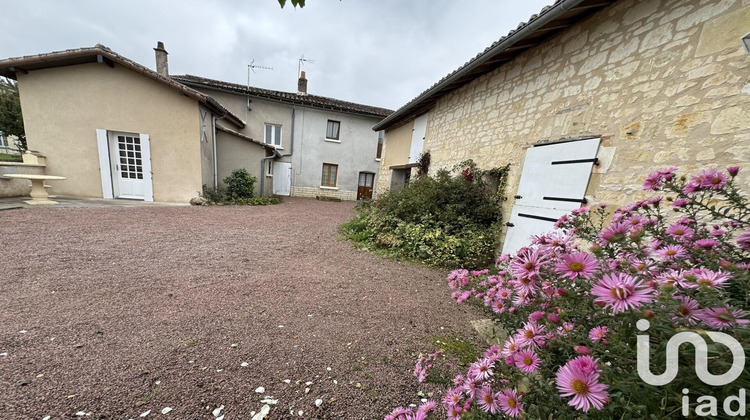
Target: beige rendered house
584,100
116,129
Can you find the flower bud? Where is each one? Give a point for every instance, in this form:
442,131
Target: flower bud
582,350
553,318
733,170
599,303
648,314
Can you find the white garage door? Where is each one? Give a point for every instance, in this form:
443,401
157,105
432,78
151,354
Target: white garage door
553,182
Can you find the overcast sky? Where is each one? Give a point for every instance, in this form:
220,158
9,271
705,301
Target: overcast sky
375,52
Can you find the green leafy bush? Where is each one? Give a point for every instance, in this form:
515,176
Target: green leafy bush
449,220
239,184
4,157
258,201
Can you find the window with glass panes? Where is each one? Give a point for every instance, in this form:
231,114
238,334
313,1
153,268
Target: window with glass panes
272,135
329,175
332,131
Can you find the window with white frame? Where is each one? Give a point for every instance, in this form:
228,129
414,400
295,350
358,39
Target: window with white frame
272,135
332,130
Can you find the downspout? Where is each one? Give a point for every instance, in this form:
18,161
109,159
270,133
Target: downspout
216,160
275,154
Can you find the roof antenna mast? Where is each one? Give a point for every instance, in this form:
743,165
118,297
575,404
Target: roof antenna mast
303,60
251,67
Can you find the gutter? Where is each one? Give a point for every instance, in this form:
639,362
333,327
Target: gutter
550,14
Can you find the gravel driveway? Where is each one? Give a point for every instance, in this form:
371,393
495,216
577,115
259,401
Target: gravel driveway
109,312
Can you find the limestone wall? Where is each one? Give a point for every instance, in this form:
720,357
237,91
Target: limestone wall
323,192
664,82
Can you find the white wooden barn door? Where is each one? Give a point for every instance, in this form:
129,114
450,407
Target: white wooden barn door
553,182
417,138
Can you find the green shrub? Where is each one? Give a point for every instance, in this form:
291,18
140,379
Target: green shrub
258,201
239,184
4,157
447,221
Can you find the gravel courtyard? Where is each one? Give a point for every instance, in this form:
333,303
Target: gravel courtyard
109,312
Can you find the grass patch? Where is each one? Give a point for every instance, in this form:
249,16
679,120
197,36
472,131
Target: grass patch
464,352
147,398
4,157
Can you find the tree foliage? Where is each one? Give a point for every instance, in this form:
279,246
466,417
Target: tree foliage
11,120
295,3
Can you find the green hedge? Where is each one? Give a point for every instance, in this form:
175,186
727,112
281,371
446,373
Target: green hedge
449,220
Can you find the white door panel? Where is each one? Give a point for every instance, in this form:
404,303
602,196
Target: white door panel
282,178
128,156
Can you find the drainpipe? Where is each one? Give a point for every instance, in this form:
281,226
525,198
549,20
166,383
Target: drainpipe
275,154
216,160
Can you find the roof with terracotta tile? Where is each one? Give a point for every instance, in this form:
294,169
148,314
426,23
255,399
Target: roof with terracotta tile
313,101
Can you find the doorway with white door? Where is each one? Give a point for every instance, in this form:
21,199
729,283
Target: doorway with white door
282,178
125,165
553,182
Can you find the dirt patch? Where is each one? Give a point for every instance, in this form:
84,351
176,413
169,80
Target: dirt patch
130,309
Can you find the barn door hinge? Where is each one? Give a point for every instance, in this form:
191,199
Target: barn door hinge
569,200
517,197
509,224
595,161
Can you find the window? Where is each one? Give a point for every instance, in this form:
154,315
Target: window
381,133
332,131
329,175
273,135
269,168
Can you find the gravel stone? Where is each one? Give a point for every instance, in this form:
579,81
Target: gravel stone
119,298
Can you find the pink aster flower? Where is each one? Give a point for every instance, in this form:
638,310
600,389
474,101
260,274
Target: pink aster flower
615,232
721,318
452,398
527,263
498,306
687,311
481,370
597,333
671,252
733,170
712,179
509,403
582,385
680,202
455,413
531,335
488,401
706,243
679,231
621,292
527,360
510,347
579,264
709,278
504,293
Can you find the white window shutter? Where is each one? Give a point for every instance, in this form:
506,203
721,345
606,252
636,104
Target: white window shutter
146,155
105,170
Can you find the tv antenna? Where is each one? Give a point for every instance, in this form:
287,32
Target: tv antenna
251,67
303,60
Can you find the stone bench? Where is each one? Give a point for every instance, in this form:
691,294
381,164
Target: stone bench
38,192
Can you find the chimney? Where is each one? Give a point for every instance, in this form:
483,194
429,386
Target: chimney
162,65
302,85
